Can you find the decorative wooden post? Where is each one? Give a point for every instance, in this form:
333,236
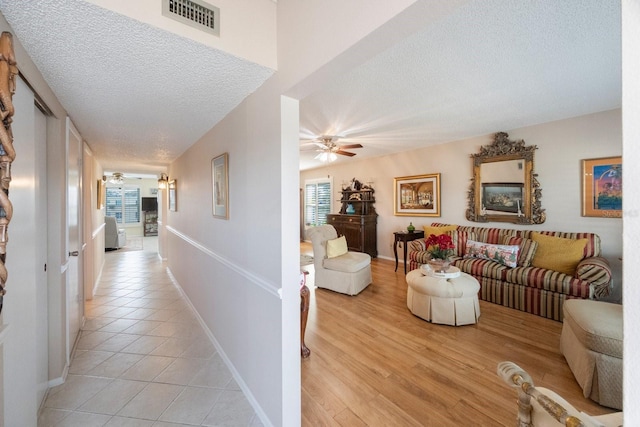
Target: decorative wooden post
8,72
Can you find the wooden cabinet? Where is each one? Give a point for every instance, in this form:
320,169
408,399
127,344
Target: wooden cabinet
357,220
150,223
359,230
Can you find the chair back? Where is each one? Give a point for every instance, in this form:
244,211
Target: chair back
110,227
319,236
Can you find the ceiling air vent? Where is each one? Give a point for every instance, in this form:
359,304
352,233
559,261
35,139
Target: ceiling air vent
195,13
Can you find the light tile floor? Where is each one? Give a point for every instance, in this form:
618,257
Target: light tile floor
143,359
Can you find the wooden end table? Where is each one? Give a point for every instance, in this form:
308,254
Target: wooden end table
405,237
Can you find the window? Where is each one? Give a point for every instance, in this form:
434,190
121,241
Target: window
123,202
317,203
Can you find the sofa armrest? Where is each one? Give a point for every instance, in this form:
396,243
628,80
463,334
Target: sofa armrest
417,245
597,272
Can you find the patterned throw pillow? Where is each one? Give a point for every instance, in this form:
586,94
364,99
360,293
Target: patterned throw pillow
527,248
503,254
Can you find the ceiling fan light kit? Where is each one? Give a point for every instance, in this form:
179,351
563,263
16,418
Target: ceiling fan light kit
329,149
117,178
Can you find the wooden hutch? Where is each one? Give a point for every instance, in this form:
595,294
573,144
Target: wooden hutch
357,219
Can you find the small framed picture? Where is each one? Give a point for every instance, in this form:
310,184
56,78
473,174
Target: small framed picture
417,195
173,189
220,184
602,187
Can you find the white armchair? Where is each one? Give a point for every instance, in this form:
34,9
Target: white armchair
114,237
348,273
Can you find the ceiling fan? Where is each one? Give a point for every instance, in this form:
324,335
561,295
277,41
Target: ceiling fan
328,148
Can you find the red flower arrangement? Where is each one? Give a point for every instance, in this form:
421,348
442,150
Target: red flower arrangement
440,247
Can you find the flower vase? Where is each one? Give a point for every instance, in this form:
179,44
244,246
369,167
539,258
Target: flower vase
439,265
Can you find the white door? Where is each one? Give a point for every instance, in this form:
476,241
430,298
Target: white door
25,352
42,294
75,295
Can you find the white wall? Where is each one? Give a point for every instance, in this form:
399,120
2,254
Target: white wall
561,147
242,274
631,136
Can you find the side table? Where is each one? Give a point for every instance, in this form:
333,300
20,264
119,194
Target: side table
404,236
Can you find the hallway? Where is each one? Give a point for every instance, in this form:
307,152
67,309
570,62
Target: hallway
143,359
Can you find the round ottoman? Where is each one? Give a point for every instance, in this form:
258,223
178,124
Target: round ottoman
451,301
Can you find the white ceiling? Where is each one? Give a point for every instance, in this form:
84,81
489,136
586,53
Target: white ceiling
494,65
140,96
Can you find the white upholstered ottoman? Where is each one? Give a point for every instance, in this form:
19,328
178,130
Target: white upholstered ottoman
591,342
451,301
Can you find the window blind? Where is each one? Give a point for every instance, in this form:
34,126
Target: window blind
123,203
317,202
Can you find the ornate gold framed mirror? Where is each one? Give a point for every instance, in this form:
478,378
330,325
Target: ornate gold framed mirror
504,187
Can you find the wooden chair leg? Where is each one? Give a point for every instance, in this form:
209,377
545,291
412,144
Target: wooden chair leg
304,313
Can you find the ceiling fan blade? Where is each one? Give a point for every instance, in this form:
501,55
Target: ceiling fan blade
321,144
345,153
351,146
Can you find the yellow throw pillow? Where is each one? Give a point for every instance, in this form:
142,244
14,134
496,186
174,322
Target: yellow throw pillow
558,253
337,247
429,230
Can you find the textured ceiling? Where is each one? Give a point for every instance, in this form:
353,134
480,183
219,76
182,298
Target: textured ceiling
493,65
140,96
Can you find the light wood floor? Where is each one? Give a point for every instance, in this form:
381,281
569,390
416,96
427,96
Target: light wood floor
373,363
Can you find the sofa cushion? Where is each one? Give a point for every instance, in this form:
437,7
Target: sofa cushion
549,280
503,254
527,248
437,230
481,268
558,253
337,247
460,239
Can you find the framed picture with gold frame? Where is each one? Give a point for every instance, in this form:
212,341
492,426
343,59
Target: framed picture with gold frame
417,195
220,185
602,187
100,195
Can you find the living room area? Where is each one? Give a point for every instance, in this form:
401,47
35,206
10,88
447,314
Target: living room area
374,359
425,150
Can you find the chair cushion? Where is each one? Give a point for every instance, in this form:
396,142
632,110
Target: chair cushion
337,247
597,324
348,263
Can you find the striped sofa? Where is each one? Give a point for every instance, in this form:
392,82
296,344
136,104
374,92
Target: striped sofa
534,290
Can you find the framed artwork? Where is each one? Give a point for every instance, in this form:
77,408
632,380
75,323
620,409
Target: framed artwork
602,187
220,185
417,195
173,188
503,196
101,196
